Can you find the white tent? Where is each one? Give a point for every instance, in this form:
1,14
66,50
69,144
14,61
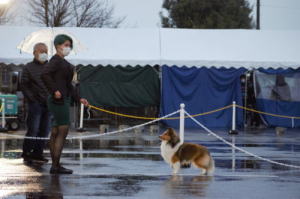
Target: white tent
181,47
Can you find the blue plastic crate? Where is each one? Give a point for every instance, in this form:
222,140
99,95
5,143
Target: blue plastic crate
11,104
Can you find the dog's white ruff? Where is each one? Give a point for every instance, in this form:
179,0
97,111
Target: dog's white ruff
167,151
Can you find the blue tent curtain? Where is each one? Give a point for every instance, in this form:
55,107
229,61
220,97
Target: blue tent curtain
201,90
287,104
280,108
273,71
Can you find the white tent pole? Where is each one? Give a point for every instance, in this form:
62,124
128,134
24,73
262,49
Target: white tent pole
52,43
160,47
245,100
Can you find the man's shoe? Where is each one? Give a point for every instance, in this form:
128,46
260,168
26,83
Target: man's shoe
35,159
41,159
60,170
31,158
27,159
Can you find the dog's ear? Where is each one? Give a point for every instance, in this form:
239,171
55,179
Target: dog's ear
174,138
172,132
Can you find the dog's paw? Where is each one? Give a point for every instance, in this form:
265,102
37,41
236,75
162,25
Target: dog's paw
204,172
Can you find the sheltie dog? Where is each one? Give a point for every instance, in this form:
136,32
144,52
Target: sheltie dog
179,155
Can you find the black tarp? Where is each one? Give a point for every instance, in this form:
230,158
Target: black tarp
120,86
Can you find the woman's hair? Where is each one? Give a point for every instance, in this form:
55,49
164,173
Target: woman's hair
62,38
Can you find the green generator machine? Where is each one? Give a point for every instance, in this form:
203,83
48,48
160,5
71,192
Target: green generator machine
10,112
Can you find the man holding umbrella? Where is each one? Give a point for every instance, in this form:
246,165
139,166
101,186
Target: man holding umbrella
38,116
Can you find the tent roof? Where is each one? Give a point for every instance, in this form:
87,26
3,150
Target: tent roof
181,47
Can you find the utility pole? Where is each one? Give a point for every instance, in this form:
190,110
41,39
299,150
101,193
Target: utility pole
258,14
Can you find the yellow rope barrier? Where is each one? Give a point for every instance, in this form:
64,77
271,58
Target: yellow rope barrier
265,113
154,118
210,112
196,115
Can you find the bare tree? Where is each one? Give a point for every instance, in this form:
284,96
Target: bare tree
91,13
79,13
5,14
51,13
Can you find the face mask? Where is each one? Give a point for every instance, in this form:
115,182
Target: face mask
66,51
43,57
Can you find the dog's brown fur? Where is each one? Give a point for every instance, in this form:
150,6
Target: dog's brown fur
188,153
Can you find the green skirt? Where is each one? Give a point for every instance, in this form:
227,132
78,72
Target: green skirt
60,112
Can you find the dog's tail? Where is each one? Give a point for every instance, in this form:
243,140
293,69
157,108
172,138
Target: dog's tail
211,166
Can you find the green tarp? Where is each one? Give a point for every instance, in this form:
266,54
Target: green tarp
120,86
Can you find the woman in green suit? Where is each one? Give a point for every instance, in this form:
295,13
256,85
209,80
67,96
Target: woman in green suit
57,76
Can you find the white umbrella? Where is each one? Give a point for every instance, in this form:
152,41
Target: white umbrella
47,36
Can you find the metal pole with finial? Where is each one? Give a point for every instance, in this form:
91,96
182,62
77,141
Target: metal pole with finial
233,130
181,123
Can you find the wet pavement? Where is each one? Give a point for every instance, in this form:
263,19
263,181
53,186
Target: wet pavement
129,165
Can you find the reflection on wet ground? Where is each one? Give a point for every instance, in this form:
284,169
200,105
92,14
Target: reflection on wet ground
129,165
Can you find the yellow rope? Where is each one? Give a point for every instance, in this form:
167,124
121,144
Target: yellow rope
265,113
196,115
154,118
1,107
210,112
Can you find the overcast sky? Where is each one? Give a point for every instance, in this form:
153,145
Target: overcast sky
275,14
